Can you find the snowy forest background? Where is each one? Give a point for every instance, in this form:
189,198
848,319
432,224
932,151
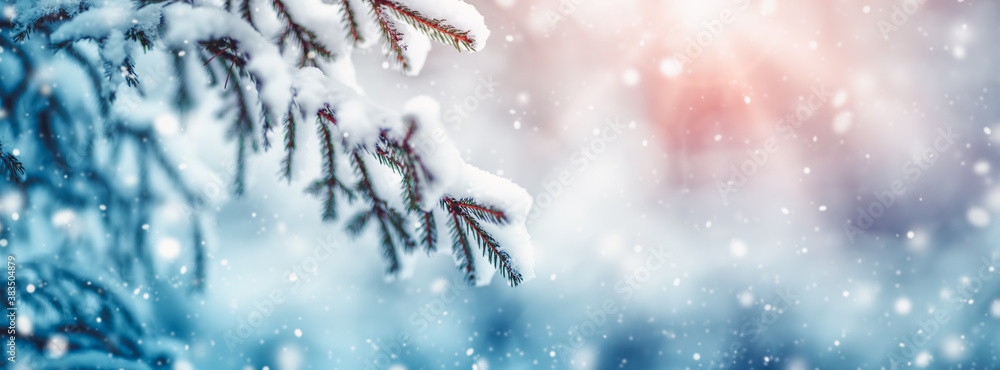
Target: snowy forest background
626,130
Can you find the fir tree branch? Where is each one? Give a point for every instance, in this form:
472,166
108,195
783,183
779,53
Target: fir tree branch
329,183
9,98
428,231
466,212
402,161
93,73
145,3
242,128
391,37
158,156
405,161
358,223
327,113
436,29
387,158
246,13
308,42
487,213
286,162
412,183
351,23
461,249
329,169
198,280
401,228
127,70
226,52
265,118
182,98
134,34
399,225
388,247
13,166
24,28
390,221
91,315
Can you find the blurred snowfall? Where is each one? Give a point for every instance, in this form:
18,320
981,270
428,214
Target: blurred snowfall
606,202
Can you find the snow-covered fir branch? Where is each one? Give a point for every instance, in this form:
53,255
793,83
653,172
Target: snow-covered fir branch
86,83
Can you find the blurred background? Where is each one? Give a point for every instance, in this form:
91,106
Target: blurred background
904,289
717,183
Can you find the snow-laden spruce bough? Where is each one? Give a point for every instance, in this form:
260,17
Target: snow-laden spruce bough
286,69
86,83
411,148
